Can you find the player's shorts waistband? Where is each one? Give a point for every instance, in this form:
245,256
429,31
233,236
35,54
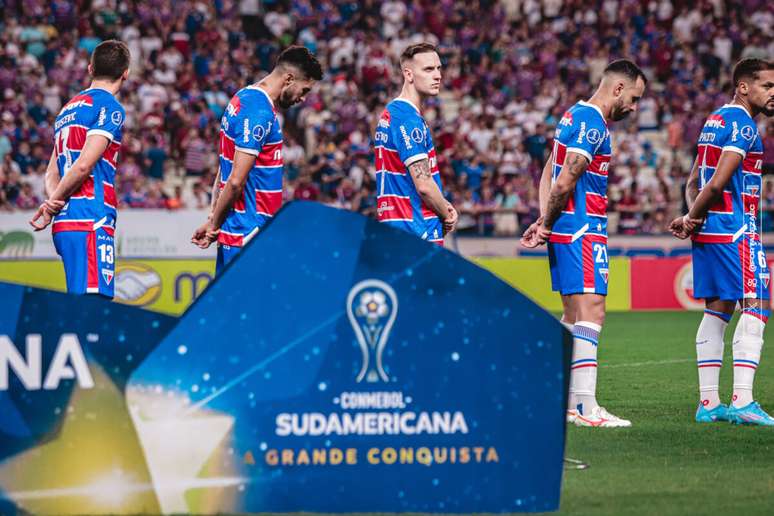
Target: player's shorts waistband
81,225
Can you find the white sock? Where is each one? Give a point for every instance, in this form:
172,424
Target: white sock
709,355
583,374
748,342
571,401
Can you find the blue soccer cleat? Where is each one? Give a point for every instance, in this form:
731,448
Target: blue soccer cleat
719,413
751,414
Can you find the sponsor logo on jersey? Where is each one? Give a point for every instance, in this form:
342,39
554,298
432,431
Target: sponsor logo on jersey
747,132
102,116
233,106
566,119
258,133
78,101
715,122
64,120
593,136
734,131
246,131
406,137
582,132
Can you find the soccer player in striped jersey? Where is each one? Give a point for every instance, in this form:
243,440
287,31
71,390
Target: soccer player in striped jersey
248,187
409,193
81,173
729,264
573,206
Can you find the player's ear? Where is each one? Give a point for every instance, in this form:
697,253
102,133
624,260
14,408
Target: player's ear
408,74
289,78
90,69
618,89
125,75
743,88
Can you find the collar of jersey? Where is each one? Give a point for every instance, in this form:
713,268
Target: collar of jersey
740,107
410,104
592,106
251,87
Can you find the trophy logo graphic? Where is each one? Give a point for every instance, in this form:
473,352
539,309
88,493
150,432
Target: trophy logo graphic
372,307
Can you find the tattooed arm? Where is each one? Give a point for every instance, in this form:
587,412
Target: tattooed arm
431,195
574,166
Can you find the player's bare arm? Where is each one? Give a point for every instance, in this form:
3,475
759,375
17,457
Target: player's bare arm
93,149
431,195
682,227
528,238
207,233
215,193
574,166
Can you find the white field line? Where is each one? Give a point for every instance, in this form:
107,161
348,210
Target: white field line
650,363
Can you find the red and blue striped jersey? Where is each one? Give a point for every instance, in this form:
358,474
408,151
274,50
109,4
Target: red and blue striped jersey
731,129
403,138
93,205
582,129
250,125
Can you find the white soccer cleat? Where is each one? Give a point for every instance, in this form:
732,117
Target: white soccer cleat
571,415
599,417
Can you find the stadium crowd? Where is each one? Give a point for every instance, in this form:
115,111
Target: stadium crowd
511,69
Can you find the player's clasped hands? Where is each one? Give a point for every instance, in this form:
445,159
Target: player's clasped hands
205,235
683,227
45,214
450,222
535,235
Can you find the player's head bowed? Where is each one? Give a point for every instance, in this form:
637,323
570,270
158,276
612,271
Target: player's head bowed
754,82
421,68
110,61
625,82
300,69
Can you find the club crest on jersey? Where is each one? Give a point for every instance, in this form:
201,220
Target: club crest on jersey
715,122
604,273
593,136
747,132
765,278
417,135
116,117
108,275
566,119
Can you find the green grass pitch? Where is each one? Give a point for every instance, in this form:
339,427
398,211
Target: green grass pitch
666,463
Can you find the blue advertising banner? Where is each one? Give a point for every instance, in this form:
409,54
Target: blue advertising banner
337,365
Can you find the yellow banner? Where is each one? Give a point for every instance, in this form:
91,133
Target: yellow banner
533,277
167,286
170,286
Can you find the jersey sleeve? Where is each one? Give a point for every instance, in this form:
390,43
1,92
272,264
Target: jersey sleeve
586,135
740,135
109,121
409,135
251,130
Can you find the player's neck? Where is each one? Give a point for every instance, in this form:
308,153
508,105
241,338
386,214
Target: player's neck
109,86
412,95
739,101
272,85
605,107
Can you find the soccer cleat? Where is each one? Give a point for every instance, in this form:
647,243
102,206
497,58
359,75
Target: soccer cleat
571,415
704,415
599,417
751,414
